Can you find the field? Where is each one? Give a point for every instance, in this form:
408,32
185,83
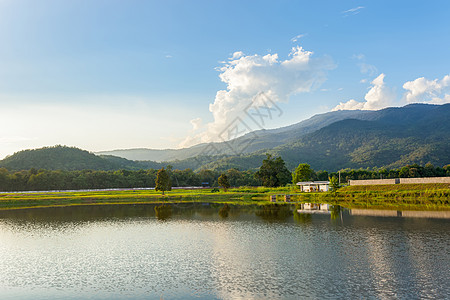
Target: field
405,196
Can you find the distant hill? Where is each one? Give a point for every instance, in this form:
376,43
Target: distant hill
392,137
257,140
67,158
53,158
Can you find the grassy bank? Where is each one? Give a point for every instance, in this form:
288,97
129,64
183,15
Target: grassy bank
407,196
29,200
398,196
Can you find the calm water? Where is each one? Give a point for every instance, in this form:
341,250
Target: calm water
126,252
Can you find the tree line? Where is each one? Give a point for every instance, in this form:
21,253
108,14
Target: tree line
41,180
272,173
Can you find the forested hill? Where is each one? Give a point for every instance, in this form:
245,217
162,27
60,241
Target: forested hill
394,140
397,137
68,158
391,137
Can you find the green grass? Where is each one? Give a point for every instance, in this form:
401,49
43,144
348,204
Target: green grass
403,196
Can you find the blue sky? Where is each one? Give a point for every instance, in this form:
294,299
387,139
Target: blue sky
104,75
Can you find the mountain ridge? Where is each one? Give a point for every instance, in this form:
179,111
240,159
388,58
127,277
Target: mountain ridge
392,137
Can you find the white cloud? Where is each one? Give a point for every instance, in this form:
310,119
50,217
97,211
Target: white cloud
237,55
359,56
352,11
298,37
364,67
379,96
368,69
247,76
351,104
428,91
196,123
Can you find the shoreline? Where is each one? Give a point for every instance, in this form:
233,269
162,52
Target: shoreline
415,199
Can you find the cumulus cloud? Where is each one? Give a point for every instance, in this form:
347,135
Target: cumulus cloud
196,123
248,76
237,55
423,90
379,96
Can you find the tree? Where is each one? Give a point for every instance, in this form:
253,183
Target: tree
334,183
163,182
223,182
302,173
273,172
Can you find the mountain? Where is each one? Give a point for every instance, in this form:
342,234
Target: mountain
251,142
391,137
69,158
53,158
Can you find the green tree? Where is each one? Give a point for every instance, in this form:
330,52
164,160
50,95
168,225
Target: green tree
223,182
273,172
163,182
302,173
334,183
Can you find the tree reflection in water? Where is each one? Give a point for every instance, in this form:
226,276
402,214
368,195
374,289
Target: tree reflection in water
274,212
302,218
224,211
163,212
335,212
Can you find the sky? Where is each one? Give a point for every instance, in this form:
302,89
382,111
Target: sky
104,75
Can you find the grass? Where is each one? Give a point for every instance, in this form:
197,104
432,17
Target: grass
396,187
400,196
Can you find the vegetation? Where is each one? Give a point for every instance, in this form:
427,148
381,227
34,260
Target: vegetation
223,182
38,180
334,184
303,172
427,196
273,172
163,182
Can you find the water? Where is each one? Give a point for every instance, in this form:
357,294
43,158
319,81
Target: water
126,252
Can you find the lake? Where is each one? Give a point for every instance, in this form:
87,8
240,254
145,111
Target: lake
192,251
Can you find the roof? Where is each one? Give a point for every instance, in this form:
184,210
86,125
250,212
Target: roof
312,182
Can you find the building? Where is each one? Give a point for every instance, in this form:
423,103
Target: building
315,208
401,181
314,186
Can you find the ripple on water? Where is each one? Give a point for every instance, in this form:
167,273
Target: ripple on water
206,257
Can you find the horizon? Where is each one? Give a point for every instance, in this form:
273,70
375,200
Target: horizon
162,75
165,149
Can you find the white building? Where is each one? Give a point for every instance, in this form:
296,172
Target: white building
314,186
315,208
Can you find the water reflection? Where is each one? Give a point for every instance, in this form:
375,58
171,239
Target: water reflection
301,218
399,213
107,252
224,211
335,212
163,212
274,212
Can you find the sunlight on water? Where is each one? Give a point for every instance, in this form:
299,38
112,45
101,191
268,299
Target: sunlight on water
123,252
